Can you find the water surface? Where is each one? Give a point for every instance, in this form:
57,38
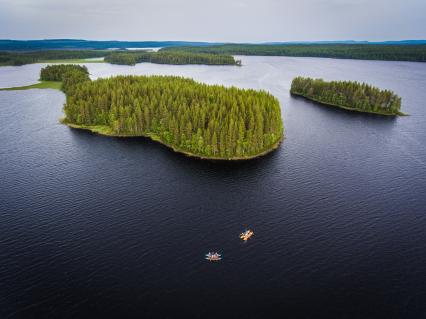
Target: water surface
103,227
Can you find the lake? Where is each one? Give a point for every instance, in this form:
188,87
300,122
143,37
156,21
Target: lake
101,227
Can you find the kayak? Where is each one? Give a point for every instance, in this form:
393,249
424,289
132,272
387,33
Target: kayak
213,256
246,235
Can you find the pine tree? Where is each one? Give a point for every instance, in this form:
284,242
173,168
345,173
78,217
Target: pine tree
201,119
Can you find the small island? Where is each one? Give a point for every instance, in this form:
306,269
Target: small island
134,57
200,120
348,95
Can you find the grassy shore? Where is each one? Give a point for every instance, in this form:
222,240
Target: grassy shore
72,61
349,108
41,85
60,61
106,131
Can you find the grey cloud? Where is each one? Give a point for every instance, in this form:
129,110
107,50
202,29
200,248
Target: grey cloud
219,20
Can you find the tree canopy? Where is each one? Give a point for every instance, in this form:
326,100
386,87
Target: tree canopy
127,57
21,58
349,95
208,121
341,51
175,57
69,74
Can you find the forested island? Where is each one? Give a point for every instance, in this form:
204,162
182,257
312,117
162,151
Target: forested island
175,57
205,121
395,52
353,96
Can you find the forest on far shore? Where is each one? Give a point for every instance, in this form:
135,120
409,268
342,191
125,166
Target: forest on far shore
126,57
386,52
222,54
22,58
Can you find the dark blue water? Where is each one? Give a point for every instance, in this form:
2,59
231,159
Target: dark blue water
98,227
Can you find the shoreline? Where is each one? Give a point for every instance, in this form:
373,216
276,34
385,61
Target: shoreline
346,107
55,85
105,131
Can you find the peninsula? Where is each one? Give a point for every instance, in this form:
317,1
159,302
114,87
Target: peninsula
348,95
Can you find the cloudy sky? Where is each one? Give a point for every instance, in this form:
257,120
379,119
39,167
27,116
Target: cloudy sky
214,20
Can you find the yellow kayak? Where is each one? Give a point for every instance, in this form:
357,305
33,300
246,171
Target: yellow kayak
246,235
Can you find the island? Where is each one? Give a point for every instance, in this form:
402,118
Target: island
204,121
348,95
175,57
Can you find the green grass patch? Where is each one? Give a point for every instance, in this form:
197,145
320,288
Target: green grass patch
41,85
98,129
73,61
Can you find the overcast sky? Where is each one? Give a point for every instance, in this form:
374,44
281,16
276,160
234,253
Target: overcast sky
214,20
